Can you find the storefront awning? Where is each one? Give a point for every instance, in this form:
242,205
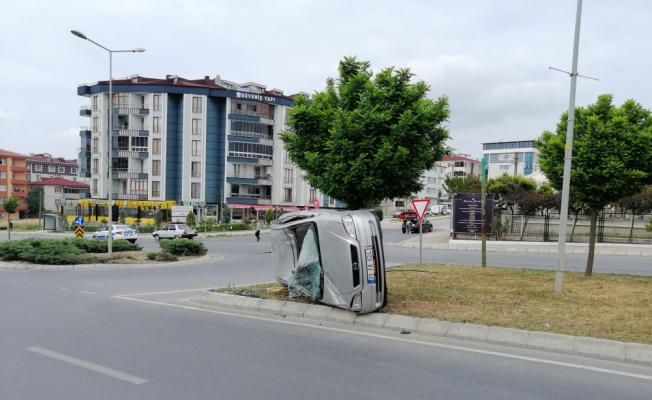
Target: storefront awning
262,208
288,208
238,205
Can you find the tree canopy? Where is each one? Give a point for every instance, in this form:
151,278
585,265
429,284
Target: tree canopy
34,200
612,156
458,184
367,137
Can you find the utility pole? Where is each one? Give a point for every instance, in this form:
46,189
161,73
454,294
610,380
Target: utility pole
484,213
40,207
515,163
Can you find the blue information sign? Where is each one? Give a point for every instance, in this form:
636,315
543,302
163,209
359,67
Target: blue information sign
79,220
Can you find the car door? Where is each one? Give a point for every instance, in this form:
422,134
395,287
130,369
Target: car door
165,232
102,233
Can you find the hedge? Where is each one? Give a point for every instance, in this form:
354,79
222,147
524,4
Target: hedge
59,251
183,247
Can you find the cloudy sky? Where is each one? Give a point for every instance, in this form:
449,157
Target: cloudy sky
490,58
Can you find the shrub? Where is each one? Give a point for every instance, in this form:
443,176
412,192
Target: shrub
190,219
101,246
270,215
183,247
162,256
246,221
44,251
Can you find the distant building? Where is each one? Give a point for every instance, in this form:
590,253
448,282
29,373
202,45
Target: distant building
433,181
194,141
461,165
56,191
42,166
13,182
512,158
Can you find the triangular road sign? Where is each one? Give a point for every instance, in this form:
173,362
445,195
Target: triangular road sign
420,206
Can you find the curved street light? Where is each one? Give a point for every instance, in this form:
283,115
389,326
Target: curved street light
80,35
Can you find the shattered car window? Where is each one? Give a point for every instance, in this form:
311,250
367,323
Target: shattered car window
306,281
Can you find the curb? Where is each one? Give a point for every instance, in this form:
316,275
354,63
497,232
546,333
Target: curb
627,352
530,250
28,266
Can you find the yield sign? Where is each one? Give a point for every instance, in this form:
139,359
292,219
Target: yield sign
420,206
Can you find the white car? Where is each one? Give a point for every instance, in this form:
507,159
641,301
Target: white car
118,232
175,231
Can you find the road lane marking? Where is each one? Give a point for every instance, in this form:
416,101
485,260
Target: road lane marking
83,291
440,345
85,364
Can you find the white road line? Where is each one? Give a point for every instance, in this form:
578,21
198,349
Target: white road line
83,291
85,364
445,346
172,291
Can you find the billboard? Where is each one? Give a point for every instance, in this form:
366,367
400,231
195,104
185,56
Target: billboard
179,213
467,213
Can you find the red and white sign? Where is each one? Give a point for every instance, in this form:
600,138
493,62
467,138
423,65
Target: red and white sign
420,206
315,203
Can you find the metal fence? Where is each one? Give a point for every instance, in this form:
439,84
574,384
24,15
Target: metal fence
610,228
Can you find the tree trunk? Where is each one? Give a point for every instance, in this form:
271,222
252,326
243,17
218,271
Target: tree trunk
9,225
574,224
525,220
631,228
589,260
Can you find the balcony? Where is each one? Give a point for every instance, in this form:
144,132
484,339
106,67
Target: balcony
251,179
156,193
251,135
19,168
19,193
122,109
119,131
84,151
85,111
85,131
133,152
253,114
19,181
128,196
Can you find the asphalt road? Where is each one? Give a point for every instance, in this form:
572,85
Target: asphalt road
131,333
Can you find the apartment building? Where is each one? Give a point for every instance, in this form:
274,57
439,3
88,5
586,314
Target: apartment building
43,166
204,140
59,192
461,165
512,158
433,189
13,182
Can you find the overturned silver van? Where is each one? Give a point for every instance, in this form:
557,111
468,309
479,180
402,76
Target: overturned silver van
335,257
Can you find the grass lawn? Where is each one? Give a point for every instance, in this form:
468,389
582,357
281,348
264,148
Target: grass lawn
617,307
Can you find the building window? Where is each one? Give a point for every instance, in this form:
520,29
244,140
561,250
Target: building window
156,124
96,166
432,180
73,170
96,145
96,124
3,161
3,175
236,170
288,175
250,150
195,169
504,167
139,186
313,194
57,189
196,145
504,157
196,126
430,191
121,100
156,146
157,102
139,143
196,104
156,167
252,108
95,181
62,170
286,157
52,168
459,164
3,188
95,105
195,190
156,188
287,195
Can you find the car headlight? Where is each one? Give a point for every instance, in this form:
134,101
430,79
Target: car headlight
349,225
356,305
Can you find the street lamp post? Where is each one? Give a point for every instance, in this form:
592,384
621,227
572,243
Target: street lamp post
79,34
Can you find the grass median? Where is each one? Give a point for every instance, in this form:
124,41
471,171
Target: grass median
616,307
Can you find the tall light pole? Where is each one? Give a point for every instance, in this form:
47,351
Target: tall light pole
79,34
563,217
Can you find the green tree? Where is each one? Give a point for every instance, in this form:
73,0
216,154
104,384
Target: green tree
10,205
34,200
190,219
367,137
226,214
545,189
612,156
640,203
458,184
269,216
122,215
158,218
506,184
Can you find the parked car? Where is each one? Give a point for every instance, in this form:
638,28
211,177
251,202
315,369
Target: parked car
335,257
407,214
396,214
427,225
175,231
118,232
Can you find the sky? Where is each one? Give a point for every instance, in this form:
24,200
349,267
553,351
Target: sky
490,58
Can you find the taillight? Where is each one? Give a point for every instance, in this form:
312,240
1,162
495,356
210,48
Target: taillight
184,232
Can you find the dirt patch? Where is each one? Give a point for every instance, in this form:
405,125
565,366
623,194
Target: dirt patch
133,257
